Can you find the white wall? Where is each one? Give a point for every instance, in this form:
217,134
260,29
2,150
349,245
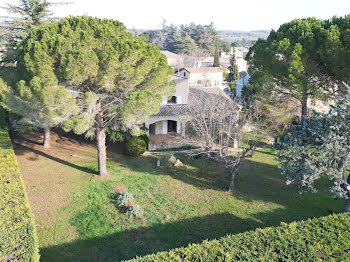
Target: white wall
240,84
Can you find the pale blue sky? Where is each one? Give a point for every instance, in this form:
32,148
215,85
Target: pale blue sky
226,14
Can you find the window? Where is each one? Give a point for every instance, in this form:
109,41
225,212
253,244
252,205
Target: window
172,100
184,73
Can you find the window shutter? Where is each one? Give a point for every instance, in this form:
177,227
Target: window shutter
178,127
164,100
179,100
165,127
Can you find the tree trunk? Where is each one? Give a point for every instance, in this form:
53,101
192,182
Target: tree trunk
347,205
101,141
47,136
304,104
232,182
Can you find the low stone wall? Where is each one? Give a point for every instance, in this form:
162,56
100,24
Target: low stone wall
168,144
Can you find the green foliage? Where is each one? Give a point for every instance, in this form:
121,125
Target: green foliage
26,15
186,39
216,59
102,63
134,211
172,159
135,146
233,76
145,138
17,232
298,53
325,238
124,198
318,147
42,105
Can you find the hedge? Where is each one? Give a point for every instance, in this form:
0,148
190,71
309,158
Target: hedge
18,240
318,239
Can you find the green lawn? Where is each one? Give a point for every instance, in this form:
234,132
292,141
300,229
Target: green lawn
181,205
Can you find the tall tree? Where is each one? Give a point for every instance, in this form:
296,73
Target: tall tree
124,77
319,147
293,57
216,125
41,104
216,59
22,17
233,75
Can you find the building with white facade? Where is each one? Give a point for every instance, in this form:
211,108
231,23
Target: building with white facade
168,127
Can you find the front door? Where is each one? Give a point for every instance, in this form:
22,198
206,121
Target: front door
172,126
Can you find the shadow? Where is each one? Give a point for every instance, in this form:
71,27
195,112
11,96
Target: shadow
202,173
29,140
147,240
58,160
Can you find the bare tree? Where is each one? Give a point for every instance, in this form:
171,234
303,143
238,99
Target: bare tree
216,125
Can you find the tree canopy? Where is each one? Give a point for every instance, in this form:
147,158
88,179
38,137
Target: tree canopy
186,39
304,58
22,17
319,146
117,78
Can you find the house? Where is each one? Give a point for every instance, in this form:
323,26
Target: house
204,76
174,60
167,128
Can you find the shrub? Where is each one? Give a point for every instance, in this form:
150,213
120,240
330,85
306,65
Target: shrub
172,159
18,240
319,239
135,211
145,138
135,146
124,198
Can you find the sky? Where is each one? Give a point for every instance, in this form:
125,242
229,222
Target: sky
226,14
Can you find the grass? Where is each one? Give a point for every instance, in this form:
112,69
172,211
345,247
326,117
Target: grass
78,219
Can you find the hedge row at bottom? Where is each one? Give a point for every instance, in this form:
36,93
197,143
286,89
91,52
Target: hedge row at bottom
319,239
18,240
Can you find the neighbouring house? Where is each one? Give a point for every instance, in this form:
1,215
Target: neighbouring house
174,60
204,76
167,129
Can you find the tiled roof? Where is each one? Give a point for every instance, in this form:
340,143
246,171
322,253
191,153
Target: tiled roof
195,93
204,70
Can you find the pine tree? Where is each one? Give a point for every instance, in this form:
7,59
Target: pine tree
22,18
117,78
40,104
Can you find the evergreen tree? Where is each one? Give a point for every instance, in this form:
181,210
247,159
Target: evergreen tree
233,75
117,78
22,17
319,146
216,59
301,57
41,104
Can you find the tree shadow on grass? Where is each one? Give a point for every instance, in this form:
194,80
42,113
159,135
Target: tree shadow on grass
146,240
21,149
203,173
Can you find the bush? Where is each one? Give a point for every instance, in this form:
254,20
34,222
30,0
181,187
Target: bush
124,198
135,146
172,160
18,240
145,138
319,239
135,211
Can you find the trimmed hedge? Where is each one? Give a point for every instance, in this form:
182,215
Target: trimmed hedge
319,239
18,240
